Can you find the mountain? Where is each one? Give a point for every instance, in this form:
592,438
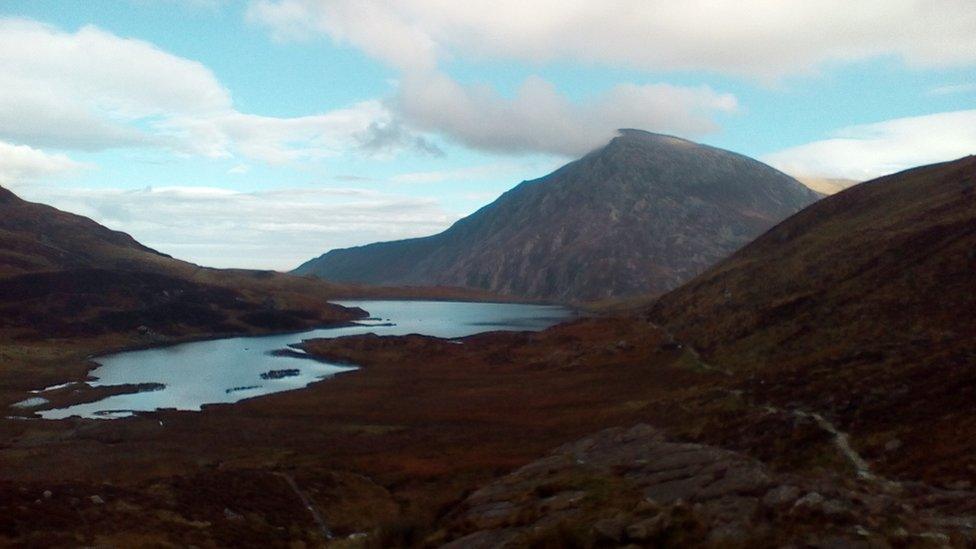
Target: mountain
36,237
64,275
828,397
859,307
641,215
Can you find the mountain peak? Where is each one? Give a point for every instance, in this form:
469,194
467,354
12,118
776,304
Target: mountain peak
644,138
632,134
650,147
639,216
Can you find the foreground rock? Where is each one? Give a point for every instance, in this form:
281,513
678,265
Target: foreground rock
632,486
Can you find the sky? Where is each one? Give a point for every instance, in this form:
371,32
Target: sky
263,133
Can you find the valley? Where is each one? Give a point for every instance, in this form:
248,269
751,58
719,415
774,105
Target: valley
760,403
190,375
413,274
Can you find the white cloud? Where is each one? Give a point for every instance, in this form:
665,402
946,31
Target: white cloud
268,229
92,90
871,150
275,140
763,38
377,28
81,90
20,163
416,37
540,119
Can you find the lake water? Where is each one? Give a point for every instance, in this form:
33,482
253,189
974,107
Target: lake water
232,369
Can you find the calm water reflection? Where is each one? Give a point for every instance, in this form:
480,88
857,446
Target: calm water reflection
228,370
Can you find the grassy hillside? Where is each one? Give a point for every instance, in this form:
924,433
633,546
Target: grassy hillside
860,306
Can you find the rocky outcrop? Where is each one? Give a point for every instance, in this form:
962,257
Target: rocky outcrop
633,486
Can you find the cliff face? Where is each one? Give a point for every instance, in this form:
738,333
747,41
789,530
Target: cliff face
641,215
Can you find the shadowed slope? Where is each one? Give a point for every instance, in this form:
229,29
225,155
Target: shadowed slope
861,306
36,237
64,275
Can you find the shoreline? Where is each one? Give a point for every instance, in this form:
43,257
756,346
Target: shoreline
578,313
90,360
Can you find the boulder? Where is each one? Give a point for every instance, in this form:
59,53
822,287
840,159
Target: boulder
781,497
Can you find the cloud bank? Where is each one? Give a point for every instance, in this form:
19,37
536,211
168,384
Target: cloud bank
871,150
266,229
416,38
755,38
91,90
20,163
540,119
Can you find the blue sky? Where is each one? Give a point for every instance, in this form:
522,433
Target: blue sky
262,133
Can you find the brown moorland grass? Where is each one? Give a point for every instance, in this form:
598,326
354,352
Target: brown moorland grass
426,420
860,308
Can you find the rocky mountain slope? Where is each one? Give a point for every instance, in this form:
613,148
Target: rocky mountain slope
641,215
859,307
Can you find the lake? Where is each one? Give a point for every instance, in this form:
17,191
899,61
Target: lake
190,375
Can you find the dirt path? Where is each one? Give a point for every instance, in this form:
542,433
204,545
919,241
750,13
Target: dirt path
307,503
842,441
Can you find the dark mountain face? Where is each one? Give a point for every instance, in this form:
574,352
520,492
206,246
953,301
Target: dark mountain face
641,215
899,247
860,307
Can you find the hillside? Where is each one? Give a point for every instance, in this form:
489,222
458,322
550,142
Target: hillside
64,275
416,446
641,215
36,237
860,307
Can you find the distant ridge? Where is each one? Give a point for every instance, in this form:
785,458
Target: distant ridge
640,215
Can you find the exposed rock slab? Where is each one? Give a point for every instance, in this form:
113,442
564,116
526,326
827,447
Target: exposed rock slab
633,486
